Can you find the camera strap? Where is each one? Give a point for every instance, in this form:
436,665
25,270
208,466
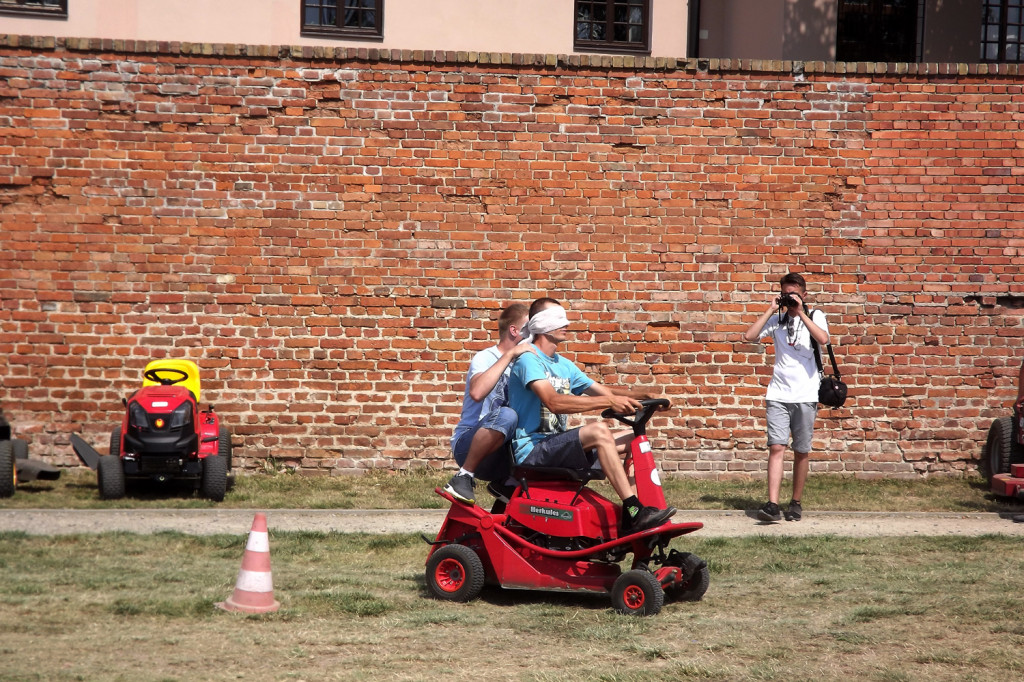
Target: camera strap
817,354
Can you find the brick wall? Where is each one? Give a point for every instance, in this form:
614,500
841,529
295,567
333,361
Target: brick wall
331,233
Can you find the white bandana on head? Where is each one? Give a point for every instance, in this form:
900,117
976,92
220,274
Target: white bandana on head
548,320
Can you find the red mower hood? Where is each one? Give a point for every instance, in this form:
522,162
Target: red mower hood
158,399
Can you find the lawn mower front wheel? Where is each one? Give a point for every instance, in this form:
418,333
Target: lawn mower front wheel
215,478
110,477
455,573
637,593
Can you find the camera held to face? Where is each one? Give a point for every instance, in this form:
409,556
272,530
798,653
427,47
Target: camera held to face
787,301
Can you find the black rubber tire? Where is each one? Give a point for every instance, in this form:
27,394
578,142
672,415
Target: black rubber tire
115,441
700,578
224,446
637,593
8,472
995,456
110,477
455,573
215,478
20,448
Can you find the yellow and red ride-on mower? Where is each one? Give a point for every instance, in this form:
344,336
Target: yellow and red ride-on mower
164,437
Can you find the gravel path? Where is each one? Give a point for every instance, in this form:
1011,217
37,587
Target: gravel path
716,523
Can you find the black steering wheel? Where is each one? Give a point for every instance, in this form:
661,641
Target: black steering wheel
640,417
154,375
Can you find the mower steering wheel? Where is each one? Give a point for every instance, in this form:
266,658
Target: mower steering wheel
154,375
641,417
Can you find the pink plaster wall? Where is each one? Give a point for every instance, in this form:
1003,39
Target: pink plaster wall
524,26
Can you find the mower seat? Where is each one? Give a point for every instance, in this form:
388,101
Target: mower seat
190,368
557,474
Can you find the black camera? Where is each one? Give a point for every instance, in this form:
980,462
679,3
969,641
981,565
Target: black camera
787,301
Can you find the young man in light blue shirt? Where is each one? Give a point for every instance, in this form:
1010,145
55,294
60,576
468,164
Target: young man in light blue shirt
545,387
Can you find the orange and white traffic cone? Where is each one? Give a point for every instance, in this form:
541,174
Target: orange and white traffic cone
254,589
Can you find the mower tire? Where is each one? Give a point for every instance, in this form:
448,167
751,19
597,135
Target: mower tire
115,442
455,573
20,448
110,477
693,588
224,445
215,478
637,593
1001,449
8,472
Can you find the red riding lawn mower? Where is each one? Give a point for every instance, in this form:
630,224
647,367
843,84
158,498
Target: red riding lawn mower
558,534
164,437
1002,458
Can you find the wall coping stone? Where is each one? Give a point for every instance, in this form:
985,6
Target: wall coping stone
582,61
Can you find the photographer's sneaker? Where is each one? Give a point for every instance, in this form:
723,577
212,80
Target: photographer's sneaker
769,512
462,487
795,512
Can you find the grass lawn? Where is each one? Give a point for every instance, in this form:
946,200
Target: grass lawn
140,607
120,606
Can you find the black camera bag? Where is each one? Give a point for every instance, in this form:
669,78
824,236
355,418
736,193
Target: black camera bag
832,390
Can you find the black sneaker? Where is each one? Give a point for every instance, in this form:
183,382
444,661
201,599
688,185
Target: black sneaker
794,512
645,518
462,487
770,512
501,491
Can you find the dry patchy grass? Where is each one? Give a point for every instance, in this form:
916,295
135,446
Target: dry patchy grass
129,607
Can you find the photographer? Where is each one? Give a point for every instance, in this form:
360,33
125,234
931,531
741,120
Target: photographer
792,397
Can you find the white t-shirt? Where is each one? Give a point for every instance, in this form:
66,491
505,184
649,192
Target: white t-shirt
795,377
473,410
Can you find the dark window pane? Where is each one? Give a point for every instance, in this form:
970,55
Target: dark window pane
877,30
359,19
612,25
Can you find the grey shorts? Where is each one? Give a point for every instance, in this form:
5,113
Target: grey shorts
561,450
791,418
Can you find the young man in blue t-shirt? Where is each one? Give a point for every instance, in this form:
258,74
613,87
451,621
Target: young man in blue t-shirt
486,423
545,387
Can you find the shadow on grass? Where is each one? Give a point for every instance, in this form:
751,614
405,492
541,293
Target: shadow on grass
1006,507
497,596
732,501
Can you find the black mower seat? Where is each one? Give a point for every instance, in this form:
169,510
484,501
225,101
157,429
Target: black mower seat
557,474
